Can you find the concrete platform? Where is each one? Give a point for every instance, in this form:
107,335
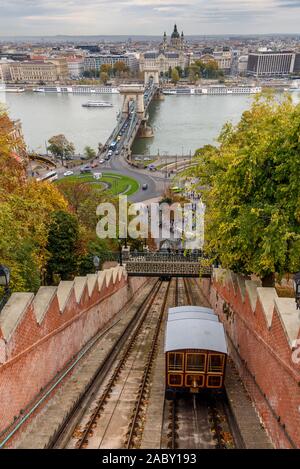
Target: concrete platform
251,430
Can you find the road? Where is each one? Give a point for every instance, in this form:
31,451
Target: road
156,185
117,164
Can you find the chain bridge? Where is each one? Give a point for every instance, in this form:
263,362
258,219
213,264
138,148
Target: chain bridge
132,119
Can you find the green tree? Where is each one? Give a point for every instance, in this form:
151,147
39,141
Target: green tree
63,246
60,147
179,70
106,68
104,77
175,76
193,72
120,68
252,191
208,69
89,152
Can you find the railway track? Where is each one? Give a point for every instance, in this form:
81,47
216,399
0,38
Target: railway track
187,292
113,413
64,433
133,436
131,375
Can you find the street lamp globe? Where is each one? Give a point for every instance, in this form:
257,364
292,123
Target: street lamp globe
4,276
297,289
96,262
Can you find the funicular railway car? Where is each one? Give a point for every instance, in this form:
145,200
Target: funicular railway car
195,350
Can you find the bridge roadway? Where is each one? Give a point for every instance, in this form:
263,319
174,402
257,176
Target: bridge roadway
128,126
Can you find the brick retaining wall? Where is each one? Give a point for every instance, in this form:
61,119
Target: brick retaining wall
263,337
39,335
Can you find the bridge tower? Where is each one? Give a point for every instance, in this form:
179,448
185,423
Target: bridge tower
151,74
133,92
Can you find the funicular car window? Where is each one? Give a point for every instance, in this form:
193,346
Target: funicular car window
175,379
214,381
175,361
215,363
195,362
195,380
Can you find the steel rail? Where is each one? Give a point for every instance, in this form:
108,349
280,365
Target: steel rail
146,374
95,414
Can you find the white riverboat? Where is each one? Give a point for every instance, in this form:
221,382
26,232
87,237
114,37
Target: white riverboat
213,90
179,91
295,87
224,90
4,88
96,104
78,89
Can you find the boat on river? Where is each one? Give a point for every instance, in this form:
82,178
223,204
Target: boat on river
96,104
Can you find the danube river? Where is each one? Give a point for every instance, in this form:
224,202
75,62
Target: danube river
181,123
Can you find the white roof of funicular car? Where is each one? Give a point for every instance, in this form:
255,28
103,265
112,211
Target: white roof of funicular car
194,327
188,308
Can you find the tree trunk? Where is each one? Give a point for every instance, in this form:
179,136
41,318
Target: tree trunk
268,280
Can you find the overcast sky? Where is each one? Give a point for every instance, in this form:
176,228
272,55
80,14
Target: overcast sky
93,17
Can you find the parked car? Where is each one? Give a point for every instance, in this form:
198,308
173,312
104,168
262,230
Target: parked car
86,169
145,187
68,173
101,161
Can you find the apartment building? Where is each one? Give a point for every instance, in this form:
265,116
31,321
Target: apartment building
271,63
94,62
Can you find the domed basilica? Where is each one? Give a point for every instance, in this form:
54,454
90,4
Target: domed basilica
169,54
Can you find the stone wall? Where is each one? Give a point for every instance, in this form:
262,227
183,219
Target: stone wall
40,334
264,341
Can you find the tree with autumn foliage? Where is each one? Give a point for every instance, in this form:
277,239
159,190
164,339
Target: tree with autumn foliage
47,231
25,207
252,191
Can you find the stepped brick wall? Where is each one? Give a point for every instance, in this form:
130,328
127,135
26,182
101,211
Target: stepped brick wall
40,334
264,341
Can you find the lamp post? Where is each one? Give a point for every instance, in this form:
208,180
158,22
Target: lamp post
120,250
297,289
4,282
96,262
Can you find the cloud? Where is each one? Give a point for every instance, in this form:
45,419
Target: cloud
97,17
289,3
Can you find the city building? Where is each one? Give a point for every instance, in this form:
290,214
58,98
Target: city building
94,62
297,63
5,74
75,67
61,67
169,55
242,64
271,63
162,61
224,59
35,71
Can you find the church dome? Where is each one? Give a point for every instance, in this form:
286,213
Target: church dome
175,33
